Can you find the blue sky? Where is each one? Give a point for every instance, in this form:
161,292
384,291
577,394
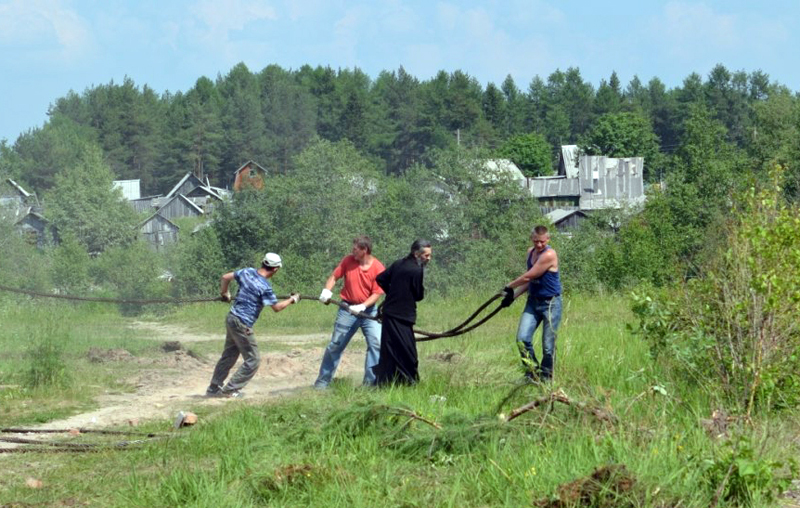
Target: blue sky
48,47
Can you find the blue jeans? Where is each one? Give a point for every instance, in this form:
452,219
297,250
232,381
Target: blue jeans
548,312
343,330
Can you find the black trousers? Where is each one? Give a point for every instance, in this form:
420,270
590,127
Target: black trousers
398,361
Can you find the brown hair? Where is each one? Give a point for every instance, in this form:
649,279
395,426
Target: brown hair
539,230
363,242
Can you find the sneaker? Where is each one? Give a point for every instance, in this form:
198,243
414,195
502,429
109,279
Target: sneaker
236,394
214,391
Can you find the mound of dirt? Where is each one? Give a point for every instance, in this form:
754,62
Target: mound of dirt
171,345
446,357
98,355
607,487
180,359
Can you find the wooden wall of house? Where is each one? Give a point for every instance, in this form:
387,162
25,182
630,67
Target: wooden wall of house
178,208
159,233
248,177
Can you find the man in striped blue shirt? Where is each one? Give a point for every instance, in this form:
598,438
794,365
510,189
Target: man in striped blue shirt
255,292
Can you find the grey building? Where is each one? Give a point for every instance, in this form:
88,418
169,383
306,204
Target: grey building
589,182
159,232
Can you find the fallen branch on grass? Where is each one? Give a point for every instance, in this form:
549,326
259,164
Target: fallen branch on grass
412,415
560,396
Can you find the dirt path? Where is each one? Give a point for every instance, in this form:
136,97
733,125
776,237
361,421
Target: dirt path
177,380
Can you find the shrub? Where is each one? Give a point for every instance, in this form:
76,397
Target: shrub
739,475
46,365
734,326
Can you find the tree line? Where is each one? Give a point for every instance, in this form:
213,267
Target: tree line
395,120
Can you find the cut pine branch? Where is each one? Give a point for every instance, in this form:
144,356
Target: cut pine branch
560,396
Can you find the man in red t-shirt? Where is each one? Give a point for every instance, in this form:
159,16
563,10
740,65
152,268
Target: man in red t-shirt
360,292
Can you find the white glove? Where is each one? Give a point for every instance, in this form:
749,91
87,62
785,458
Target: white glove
294,297
325,295
355,309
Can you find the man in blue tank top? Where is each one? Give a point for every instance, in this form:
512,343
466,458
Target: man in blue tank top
543,284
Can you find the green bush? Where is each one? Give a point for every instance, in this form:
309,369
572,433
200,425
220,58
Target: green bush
735,326
741,476
46,367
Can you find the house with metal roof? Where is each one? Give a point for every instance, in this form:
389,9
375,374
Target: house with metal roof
495,169
590,182
131,189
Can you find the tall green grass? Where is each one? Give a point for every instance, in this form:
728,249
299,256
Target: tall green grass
357,447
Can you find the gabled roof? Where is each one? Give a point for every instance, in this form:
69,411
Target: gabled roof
185,200
560,214
248,163
182,181
208,190
159,217
494,168
569,158
131,189
29,211
19,188
219,191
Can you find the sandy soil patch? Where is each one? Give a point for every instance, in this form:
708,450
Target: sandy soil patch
176,380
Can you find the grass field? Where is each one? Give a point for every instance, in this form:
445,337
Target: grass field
444,442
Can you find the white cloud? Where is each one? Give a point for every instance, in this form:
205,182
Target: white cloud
47,26
398,17
686,28
297,9
486,45
223,17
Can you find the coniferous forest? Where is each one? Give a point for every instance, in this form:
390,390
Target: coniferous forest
396,120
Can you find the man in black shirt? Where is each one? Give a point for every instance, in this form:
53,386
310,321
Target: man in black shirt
402,282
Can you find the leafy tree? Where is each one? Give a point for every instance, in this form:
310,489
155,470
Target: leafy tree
530,152
776,137
70,266
40,154
197,263
622,135
83,204
734,326
132,272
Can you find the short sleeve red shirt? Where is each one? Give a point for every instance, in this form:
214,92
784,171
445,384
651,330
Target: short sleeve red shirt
359,284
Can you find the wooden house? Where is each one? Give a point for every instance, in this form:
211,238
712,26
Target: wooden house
250,174
186,185
159,232
179,206
13,195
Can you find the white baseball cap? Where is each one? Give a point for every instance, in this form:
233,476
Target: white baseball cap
272,260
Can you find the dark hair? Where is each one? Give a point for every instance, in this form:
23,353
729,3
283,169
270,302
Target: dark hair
417,247
267,267
363,242
539,230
